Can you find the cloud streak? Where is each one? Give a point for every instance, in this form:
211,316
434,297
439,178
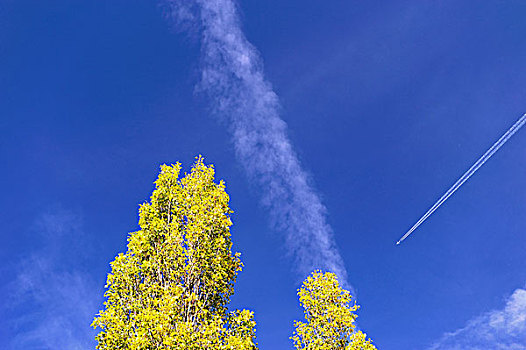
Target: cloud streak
233,79
498,329
55,302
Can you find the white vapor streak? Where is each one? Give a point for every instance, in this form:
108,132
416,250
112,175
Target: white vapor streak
480,162
54,301
232,76
503,329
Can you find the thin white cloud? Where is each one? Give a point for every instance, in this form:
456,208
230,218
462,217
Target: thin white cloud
55,303
496,330
232,77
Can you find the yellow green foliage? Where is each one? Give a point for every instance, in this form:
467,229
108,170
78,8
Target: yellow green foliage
329,317
171,288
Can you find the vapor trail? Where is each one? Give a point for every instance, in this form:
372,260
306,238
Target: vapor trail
480,162
232,77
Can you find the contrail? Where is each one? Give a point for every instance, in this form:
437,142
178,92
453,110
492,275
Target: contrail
485,157
232,77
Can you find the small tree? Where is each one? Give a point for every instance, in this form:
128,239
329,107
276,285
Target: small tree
171,288
329,317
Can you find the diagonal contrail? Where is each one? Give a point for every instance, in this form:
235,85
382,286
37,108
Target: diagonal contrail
232,76
485,157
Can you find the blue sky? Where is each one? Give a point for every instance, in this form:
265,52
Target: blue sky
386,105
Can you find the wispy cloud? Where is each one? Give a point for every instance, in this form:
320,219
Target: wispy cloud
497,330
232,77
54,301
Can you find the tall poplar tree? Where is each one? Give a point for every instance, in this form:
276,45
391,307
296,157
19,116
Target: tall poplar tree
329,317
171,288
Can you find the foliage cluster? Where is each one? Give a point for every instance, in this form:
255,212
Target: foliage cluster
329,317
171,288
